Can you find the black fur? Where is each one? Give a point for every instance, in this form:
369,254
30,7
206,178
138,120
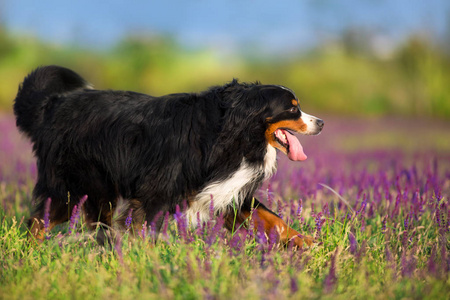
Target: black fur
153,152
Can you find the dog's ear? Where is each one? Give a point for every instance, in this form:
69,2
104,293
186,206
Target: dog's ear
244,113
276,99
248,101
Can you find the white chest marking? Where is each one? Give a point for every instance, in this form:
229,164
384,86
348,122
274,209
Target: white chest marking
224,192
270,162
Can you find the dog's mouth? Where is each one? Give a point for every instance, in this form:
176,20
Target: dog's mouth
291,144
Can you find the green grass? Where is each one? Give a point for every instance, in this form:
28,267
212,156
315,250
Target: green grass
75,266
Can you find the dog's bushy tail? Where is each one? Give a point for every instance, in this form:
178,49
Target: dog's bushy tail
37,90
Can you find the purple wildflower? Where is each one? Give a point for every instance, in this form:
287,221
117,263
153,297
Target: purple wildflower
129,219
83,199
408,265
251,223
199,224
73,219
143,230
118,249
383,224
299,210
215,232
263,259
261,236
235,243
47,217
396,207
331,279
363,225
362,251
388,255
273,239
280,209
349,216
443,241
406,221
181,224
319,222
443,223
362,209
448,221
293,285
269,198
326,210
292,211
397,184
405,239
353,243
76,214
431,265
153,230
438,216
166,224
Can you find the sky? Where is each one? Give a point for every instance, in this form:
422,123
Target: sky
272,25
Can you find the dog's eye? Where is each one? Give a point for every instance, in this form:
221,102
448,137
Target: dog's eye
293,109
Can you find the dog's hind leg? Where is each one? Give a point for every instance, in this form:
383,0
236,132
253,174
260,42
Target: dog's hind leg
46,215
99,215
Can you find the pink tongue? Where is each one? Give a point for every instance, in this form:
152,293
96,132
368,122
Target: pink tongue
295,148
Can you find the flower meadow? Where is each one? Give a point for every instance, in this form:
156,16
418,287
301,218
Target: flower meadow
373,193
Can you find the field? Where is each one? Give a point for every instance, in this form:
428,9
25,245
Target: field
374,193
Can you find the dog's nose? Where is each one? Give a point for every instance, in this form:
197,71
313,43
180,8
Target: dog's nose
320,123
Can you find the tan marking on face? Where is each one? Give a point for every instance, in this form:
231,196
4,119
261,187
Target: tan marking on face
295,125
294,102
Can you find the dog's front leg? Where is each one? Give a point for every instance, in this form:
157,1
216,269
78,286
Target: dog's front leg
265,218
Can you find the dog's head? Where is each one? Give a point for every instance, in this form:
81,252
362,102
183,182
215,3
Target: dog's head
276,109
283,117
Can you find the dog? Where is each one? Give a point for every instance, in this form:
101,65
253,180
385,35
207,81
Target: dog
155,153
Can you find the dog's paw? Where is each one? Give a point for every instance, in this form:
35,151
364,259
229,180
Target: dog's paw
300,239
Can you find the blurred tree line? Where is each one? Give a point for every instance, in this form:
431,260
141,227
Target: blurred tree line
344,77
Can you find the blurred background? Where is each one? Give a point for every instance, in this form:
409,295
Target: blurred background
361,58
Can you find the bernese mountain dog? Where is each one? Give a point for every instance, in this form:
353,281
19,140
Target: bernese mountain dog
157,152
